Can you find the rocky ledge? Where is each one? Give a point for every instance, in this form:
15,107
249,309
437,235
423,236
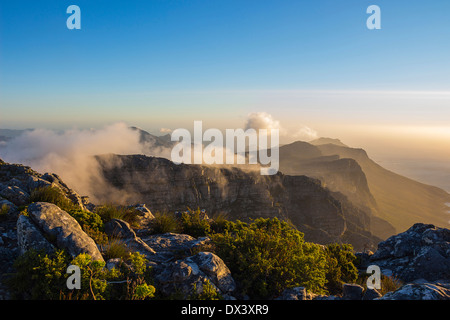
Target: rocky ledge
421,252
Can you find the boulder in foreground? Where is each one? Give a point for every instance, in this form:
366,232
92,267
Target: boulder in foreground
57,224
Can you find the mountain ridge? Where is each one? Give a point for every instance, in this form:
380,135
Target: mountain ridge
389,196
401,200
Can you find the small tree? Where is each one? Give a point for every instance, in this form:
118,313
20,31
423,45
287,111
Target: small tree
340,266
268,255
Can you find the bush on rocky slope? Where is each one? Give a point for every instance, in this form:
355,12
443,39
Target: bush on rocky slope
43,276
268,255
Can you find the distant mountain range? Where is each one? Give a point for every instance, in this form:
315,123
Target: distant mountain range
385,195
8,134
328,190
399,200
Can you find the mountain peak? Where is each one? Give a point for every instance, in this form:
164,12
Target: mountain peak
156,141
323,140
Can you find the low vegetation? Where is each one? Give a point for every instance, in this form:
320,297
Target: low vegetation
109,211
265,257
340,267
4,212
268,255
42,276
165,222
52,195
388,283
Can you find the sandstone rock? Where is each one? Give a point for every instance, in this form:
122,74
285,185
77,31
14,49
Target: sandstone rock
170,245
145,215
216,270
421,290
73,196
371,294
34,182
17,182
59,225
182,276
7,257
137,244
423,251
117,228
15,194
30,237
351,291
297,293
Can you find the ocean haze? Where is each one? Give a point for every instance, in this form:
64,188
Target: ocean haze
433,172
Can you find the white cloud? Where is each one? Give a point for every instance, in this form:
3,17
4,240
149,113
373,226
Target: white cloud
165,130
264,120
305,133
261,120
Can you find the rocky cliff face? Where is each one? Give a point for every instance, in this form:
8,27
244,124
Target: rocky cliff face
322,215
343,175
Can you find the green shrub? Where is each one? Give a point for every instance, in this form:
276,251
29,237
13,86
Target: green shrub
143,291
268,255
193,224
109,211
93,277
165,222
340,267
39,275
52,195
219,223
115,248
138,279
99,236
208,292
87,218
92,224
388,283
42,276
4,212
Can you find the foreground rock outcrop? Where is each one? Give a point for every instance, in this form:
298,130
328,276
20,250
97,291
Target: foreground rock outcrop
187,276
30,237
421,252
421,290
17,183
63,229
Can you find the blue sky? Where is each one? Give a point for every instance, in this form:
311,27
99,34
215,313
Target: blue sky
163,63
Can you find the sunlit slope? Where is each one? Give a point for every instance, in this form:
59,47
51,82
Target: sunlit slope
343,175
401,201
